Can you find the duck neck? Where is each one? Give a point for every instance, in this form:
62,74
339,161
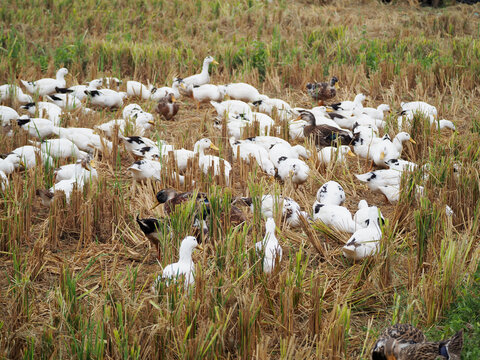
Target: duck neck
60,76
198,149
205,67
185,255
398,144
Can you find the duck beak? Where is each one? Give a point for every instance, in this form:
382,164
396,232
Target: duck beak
329,110
350,153
336,85
214,147
92,163
200,247
382,155
173,99
155,206
215,62
412,141
182,85
151,123
299,117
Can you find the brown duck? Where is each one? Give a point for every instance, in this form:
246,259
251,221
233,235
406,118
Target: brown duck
450,349
167,106
171,199
405,342
324,135
323,91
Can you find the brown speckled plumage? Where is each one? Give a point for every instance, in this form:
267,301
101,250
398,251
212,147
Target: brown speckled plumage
323,90
405,342
167,107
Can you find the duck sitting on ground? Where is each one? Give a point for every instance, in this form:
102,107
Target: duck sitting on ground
46,86
323,91
405,342
404,333
168,106
324,135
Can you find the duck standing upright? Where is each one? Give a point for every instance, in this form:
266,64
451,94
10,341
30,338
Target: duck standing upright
270,247
203,77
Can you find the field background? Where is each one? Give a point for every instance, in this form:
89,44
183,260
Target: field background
76,279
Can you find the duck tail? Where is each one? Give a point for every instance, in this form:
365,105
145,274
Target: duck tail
63,90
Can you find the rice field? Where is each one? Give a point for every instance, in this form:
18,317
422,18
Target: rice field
76,277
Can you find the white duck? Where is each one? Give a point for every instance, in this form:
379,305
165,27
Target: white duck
267,142
331,154
387,149
203,77
82,137
269,247
79,90
134,144
207,162
362,216
402,165
31,154
247,149
334,216
232,107
295,169
331,193
419,106
36,127
242,91
268,105
10,163
378,113
10,91
208,92
45,109
137,89
99,143
106,98
46,86
65,186
7,114
384,177
270,204
3,180
184,267
82,170
280,150
364,242
160,93
62,148
296,129
349,106
65,101
146,169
